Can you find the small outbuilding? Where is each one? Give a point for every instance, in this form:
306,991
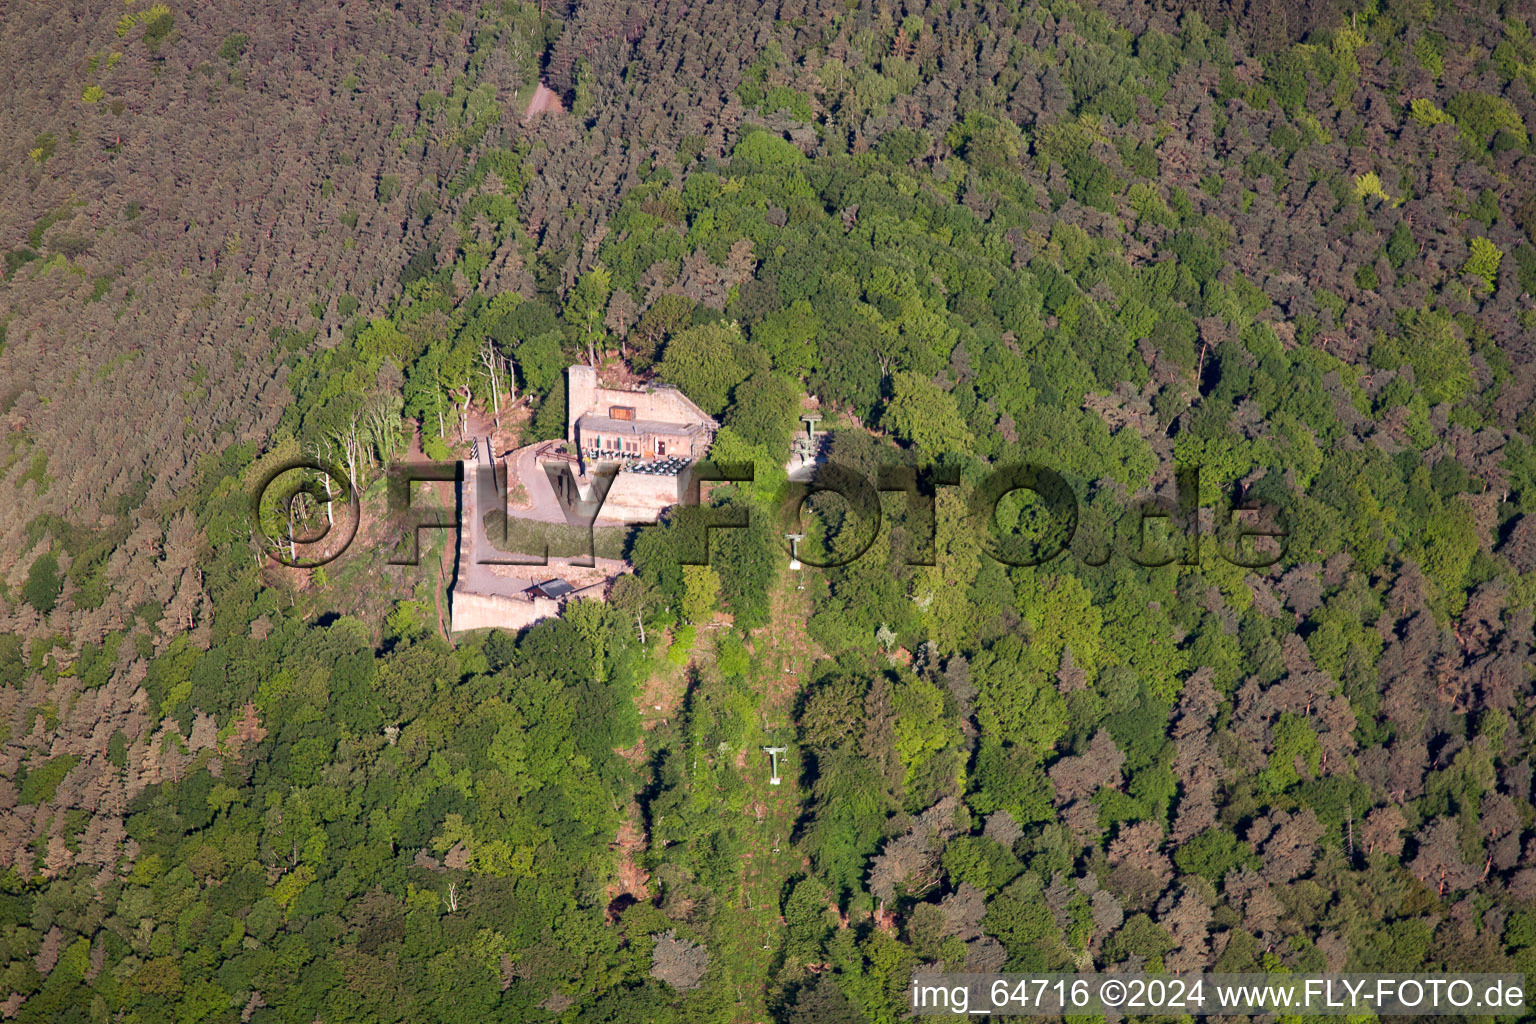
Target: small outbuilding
553,589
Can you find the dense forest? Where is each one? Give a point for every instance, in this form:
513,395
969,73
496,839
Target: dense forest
1293,246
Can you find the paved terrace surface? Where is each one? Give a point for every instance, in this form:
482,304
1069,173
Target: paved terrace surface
473,575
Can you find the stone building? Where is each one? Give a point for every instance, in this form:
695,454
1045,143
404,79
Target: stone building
633,448
628,457
608,424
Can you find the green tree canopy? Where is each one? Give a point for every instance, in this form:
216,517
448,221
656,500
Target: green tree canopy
926,417
706,363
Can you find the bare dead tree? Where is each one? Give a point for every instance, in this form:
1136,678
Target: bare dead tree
489,358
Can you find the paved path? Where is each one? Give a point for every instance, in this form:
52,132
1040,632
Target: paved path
546,507
473,576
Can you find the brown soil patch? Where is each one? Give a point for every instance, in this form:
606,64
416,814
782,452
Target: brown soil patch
545,101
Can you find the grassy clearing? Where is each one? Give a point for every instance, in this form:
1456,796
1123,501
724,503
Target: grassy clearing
514,536
725,722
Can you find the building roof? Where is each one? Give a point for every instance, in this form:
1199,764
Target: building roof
554,588
620,392
608,425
